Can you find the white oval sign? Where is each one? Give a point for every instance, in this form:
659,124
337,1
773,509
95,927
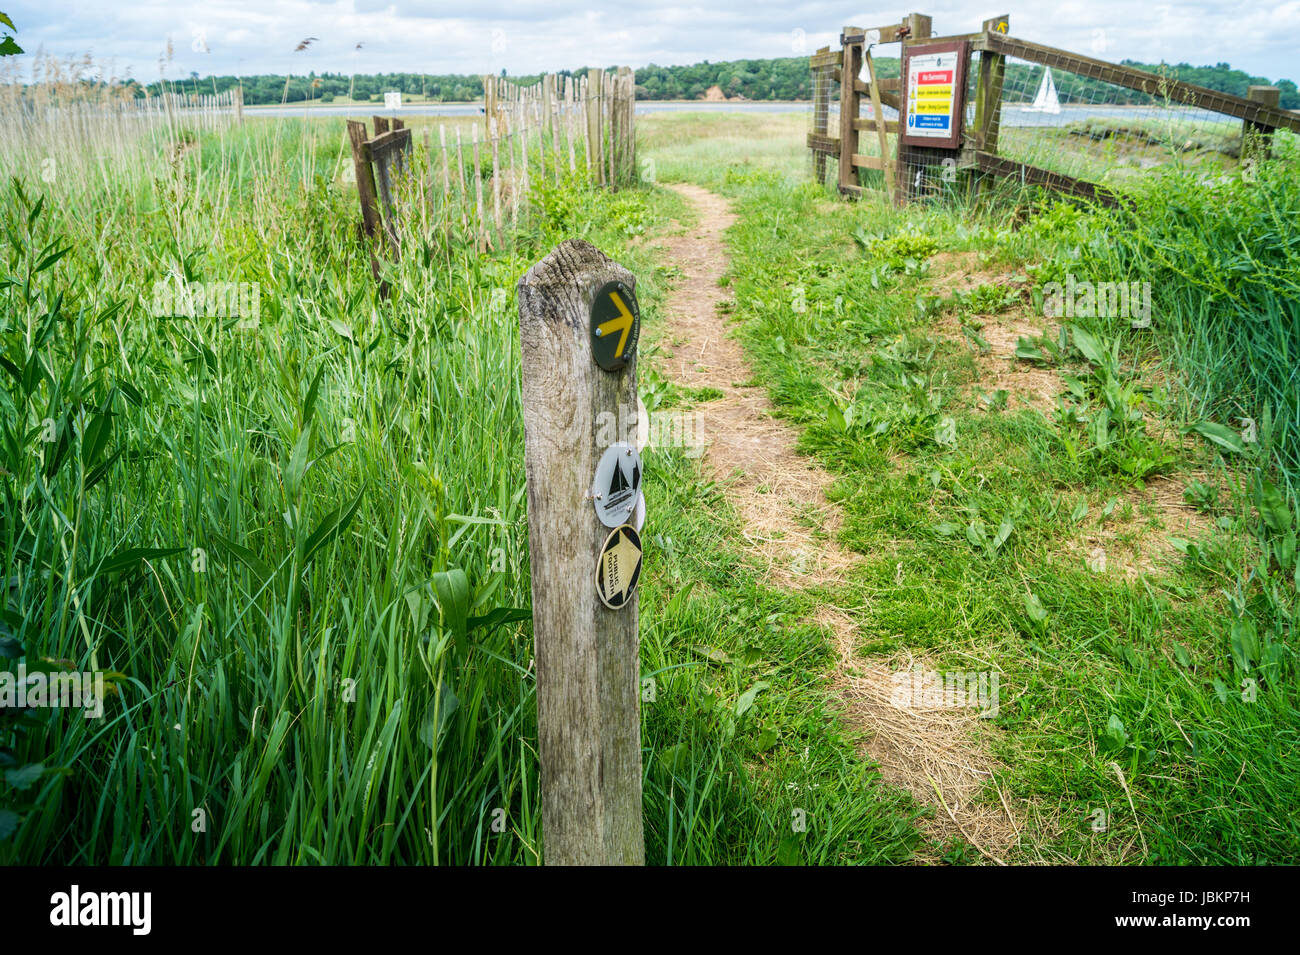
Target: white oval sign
616,489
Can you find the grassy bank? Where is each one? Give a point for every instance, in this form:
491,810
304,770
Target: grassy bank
1150,710
297,549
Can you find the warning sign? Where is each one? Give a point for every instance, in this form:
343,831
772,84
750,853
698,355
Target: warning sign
619,568
615,324
935,78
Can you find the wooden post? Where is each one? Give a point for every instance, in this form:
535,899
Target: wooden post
627,125
496,180
523,151
568,122
480,217
615,84
514,181
427,205
595,124
460,177
446,174
1256,139
988,96
365,177
548,105
588,700
882,132
907,157
610,85
552,124
386,156
850,100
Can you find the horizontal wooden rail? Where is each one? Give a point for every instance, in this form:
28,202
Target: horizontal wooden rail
869,125
1186,94
823,143
384,143
888,34
998,166
868,162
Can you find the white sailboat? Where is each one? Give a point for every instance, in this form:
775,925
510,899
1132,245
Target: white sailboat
1045,100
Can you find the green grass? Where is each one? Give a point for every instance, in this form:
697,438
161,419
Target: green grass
1182,677
286,544
298,549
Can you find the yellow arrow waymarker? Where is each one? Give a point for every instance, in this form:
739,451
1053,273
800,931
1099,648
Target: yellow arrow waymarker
615,325
623,323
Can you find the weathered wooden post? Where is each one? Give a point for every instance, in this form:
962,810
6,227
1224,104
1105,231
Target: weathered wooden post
578,325
1256,138
988,97
850,106
365,177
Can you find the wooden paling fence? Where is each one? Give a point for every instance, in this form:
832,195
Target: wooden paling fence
949,101
205,110
477,180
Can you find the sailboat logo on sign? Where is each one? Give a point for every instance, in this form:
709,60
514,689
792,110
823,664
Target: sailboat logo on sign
616,488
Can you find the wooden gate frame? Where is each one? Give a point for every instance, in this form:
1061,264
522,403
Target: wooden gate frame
855,52
1258,111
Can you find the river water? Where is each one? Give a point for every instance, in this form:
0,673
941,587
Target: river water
1011,115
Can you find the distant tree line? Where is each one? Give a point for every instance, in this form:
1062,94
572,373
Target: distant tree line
1022,82
784,78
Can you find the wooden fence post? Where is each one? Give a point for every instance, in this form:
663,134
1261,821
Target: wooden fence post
595,123
587,655
1257,140
386,154
988,97
908,157
627,126
365,178
479,214
568,121
460,177
496,179
850,104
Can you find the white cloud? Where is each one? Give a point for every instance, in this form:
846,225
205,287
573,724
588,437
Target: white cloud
258,37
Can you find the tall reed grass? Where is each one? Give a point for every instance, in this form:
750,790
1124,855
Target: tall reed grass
297,542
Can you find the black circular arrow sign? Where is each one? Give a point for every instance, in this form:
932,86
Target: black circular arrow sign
615,325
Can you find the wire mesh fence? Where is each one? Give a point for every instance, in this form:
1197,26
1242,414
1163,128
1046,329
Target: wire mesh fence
1086,128
824,119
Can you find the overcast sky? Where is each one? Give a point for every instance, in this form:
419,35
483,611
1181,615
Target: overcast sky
529,36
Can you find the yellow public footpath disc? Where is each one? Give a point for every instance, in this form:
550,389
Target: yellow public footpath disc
619,567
